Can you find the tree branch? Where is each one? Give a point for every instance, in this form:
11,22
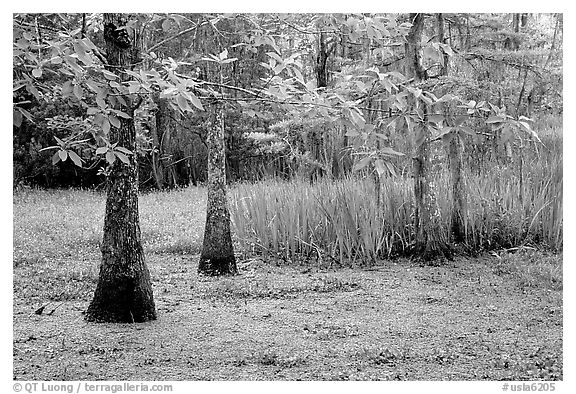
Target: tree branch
183,32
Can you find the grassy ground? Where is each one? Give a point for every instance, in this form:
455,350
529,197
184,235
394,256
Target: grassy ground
494,317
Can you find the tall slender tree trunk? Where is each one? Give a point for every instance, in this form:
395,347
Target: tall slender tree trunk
321,61
431,242
319,136
124,290
454,153
459,209
166,141
161,126
217,257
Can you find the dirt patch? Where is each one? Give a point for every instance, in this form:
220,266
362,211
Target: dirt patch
471,320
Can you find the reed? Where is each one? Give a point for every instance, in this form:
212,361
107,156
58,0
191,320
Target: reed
508,206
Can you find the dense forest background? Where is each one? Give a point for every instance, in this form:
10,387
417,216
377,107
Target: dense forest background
511,60
380,120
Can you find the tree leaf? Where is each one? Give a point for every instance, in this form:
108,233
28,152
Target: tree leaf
99,118
109,75
55,158
436,118
63,155
421,136
362,163
106,126
381,136
79,48
123,150
182,103
196,101
37,72
100,101
110,157
122,157
526,127
357,119
391,152
460,120
67,88
275,56
133,87
380,167
59,141
495,119
16,118
444,131
101,150
87,60
166,24
122,114
114,121
447,137
94,86
75,158
78,92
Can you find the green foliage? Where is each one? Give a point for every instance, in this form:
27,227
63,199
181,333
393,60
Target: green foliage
339,221
270,77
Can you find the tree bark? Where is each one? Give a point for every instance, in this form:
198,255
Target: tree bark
167,140
321,61
217,257
454,153
124,290
160,128
457,223
430,237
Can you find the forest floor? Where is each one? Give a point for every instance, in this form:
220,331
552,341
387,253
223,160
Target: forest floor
495,317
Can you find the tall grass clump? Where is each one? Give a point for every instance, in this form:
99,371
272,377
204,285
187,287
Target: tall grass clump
507,211
338,219
508,205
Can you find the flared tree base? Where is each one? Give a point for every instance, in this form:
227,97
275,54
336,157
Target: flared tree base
217,266
433,253
120,301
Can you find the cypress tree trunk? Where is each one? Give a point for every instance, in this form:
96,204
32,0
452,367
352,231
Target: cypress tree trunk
217,257
161,126
430,238
166,140
321,60
124,290
457,225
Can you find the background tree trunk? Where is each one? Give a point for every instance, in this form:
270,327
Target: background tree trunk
161,126
457,223
217,257
321,61
430,238
124,290
454,153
